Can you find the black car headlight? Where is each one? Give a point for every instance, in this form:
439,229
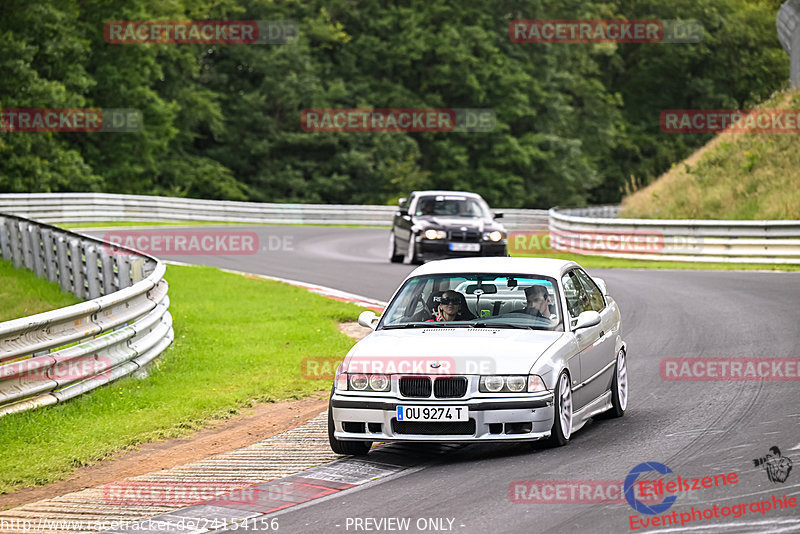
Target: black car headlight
511,384
435,234
495,236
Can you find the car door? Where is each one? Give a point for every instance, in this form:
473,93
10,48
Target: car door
587,339
402,224
597,363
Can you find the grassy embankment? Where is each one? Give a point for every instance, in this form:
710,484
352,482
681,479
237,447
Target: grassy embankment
735,176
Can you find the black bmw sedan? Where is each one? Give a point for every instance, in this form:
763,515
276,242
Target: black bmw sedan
432,225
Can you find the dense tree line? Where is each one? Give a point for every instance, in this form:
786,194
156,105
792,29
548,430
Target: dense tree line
575,122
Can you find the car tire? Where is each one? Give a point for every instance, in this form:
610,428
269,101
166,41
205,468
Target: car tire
354,448
394,257
619,389
411,253
562,416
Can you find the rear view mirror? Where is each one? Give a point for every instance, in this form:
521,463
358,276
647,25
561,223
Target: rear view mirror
483,289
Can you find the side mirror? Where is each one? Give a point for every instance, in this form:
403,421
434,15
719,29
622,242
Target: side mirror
586,319
498,215
401,201
370,320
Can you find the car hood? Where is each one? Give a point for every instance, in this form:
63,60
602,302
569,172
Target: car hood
455,350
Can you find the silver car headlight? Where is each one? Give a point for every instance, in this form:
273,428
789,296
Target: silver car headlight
516,384
369,382
491,384
379,382
359,382
435,234
511,384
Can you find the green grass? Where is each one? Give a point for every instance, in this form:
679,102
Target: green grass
238,341
113,224
605,262
735,176
22,293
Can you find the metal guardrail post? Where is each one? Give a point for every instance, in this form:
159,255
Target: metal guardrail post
92,272
50,268
64,276
16,246
76,268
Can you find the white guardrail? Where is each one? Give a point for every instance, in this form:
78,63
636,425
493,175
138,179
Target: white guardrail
54,356
597,231
92,207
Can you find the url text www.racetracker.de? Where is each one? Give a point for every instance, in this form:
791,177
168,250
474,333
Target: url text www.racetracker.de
177,524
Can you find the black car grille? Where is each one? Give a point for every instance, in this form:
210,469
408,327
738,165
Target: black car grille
450,387
455,428
415,386
469,236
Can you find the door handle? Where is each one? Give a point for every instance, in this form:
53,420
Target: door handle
602,333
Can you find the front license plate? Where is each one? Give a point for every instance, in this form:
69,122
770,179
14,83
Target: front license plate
432,413
465,247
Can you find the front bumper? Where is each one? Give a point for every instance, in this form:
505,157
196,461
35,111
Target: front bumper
440,249
522,418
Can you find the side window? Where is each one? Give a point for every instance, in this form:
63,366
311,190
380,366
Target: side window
596,301
577,301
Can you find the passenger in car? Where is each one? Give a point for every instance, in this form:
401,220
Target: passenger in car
538,301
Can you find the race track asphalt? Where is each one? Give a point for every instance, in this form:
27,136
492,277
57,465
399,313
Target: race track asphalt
696,428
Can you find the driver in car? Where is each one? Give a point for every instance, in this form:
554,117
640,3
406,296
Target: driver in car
449,308
538,301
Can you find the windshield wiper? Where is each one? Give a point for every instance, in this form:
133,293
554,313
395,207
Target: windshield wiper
502,325
406,325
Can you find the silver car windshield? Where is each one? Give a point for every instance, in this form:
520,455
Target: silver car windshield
476,301
451,206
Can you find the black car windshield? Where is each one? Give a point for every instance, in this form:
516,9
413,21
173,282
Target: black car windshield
451,205
476,301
